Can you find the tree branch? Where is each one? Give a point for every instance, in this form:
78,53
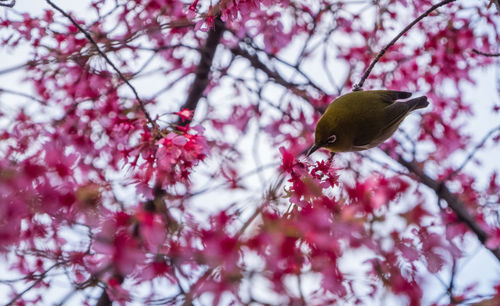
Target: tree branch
39,278
104,299
14,68
21,94
202,71
11,4
485,54
256,63
106,58
453,201
296,67
359,86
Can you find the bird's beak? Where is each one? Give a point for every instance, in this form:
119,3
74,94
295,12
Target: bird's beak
312,149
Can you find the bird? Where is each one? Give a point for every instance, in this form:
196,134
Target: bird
361,120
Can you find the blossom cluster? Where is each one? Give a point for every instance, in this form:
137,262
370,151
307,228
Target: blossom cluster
102,173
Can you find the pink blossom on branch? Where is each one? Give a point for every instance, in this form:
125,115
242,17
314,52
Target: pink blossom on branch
167,202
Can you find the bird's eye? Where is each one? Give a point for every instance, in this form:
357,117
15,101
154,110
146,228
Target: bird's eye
331,139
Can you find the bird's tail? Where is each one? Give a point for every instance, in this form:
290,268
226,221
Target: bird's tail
417,103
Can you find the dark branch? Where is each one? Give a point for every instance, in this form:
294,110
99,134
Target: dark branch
393,41
202,71
11,4
256,63
106,58
458,207
485,54
12,69
21,94
296,67
104,299
37,281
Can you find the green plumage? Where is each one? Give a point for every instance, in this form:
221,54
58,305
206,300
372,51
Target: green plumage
363,119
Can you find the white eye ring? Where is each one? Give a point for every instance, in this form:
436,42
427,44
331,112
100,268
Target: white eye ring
331,139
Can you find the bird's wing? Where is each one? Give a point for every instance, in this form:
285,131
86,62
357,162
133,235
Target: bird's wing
365,138
393,116
396,112
362,142
391,95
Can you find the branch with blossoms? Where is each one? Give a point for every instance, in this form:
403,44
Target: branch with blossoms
38,278
149,200
455,204
441,191
458,207
359,85
101,53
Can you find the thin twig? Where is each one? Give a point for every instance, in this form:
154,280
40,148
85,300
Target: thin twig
473,152
249,221
39,279
256,63
238,179
295,67
269,197
106,58
485,54
22,94
301,292
189,295
13,68
359,86
451,287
